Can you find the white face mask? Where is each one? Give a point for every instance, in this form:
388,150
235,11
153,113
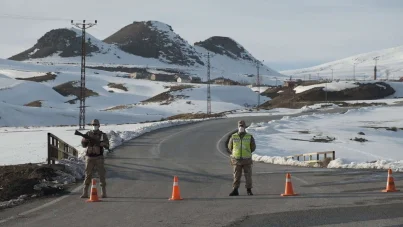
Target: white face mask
95,127
241,129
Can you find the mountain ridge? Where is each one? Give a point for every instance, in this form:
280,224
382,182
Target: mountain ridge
389,65
150,44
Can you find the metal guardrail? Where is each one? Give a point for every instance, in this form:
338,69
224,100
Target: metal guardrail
58,149
314,157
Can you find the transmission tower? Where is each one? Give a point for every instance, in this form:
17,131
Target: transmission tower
208,86
258,86
376,61
258,83
83,26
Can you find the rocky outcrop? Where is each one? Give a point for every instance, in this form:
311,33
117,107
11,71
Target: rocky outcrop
152,39
64,42
225,46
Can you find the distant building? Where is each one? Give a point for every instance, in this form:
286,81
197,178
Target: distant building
183,79
225,81
188,79
196,79
290,83
163,77
140,75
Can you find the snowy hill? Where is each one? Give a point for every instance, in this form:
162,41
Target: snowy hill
157,40
40,95
150,44
389,65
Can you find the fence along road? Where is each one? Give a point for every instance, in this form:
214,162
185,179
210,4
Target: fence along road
140,178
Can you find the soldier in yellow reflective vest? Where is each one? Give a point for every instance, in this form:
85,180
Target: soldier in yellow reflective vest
241,145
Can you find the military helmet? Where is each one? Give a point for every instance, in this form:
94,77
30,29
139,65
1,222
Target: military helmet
95,122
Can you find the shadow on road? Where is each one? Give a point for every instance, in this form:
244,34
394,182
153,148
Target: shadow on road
324,216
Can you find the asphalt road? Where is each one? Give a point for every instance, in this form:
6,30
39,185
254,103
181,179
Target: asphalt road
140,176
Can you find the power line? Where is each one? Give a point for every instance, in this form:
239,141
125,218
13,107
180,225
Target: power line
21,17
83,26
208,81
208,86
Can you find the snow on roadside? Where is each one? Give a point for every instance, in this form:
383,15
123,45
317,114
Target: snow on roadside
282,111
290,136
75,166
35,144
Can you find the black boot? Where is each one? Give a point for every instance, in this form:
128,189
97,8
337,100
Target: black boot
234,192
249,190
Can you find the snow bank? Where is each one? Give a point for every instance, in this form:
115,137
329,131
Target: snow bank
278,160
281,111
396,166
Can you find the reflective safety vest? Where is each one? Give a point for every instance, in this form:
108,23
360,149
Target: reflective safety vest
241,147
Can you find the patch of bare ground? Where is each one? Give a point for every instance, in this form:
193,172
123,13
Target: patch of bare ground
44,78
19,180
321,139
395,129
37,103
179,87
72,88
117,86
166,97
194,116
120,107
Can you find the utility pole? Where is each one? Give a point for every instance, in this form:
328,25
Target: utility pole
208,86
258,85
83,26
376,61
332,75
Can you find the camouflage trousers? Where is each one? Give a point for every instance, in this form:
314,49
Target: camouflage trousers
238,166
93,164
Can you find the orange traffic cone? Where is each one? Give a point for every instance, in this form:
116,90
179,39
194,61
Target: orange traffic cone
175,190
390,184
288,186
94,192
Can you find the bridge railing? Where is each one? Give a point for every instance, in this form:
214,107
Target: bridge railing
58,149
314,157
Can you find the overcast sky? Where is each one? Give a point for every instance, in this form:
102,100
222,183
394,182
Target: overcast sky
286,34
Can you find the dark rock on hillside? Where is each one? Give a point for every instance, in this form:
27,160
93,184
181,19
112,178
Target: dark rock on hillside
65,41
365,91
225,46
153,39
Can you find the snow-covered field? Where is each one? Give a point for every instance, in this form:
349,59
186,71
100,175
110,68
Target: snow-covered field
382,150
55,110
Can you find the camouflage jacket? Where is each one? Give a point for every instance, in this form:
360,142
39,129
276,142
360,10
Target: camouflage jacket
95,147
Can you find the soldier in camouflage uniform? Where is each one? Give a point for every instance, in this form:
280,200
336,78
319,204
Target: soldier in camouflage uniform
95,157
241,145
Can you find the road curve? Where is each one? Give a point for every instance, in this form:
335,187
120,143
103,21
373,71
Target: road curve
140,176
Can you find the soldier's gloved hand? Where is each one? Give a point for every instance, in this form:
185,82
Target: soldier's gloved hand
103,144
